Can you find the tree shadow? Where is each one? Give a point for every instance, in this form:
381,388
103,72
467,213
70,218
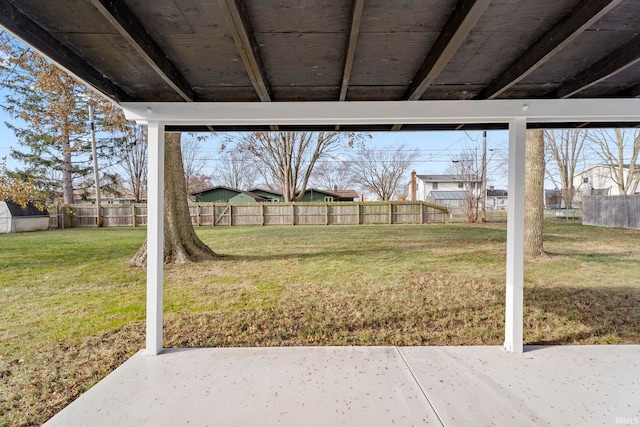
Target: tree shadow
304,255
581,315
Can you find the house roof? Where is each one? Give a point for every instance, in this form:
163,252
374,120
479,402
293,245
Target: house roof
603,166
441,178
30,210
347,194
338,50
497,193
449,195
274,192
256,197
217,187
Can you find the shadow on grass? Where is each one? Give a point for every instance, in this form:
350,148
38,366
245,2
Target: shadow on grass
575,315
306,255
594,256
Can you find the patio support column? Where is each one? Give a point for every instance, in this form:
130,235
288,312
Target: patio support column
515,237
155,237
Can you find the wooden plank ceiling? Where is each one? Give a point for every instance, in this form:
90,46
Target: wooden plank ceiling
338,50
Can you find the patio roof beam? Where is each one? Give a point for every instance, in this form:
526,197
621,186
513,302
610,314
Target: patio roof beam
132,29
464,17
240,27
599,110
32,34
617,61
356,16
571,26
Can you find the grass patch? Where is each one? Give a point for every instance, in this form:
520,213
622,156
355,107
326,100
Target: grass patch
73,309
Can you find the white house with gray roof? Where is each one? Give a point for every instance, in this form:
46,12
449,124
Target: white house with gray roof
421,186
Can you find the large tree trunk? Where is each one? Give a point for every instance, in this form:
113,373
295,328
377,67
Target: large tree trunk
534,194
181,244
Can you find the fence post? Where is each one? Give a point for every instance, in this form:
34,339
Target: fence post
293,213
390,213
326,214
133,214
358,213
213,214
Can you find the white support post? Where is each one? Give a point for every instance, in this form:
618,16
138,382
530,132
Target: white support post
515,237
155,237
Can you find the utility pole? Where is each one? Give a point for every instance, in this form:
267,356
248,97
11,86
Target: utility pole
484,176
95,167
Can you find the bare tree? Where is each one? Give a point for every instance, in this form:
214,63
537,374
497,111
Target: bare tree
289,158
333,173
534,194
564,152
382,171
192,158
614,147
236,169
468,166
134,158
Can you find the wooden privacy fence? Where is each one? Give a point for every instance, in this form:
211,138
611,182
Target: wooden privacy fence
612,211
225,214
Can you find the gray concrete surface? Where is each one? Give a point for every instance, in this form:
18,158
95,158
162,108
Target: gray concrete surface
367,386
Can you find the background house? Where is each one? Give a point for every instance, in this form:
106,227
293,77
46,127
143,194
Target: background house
497,199
222,194
600,180
124,197
421,186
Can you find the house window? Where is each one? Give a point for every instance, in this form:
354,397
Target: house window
585,180
435,185
328,199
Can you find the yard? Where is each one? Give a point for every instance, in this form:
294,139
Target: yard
73,309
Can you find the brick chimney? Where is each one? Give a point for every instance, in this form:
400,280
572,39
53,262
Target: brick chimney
413,186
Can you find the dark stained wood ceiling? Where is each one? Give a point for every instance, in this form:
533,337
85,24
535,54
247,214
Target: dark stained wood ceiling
335,50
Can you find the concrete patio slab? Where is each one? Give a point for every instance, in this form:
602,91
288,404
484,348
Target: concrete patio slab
559,385
373,386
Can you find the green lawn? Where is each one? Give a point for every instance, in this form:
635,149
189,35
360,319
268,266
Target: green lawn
73,308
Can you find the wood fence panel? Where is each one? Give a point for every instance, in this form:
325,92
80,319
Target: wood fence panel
409,213
277,214
374,213
217,214
83,216
343,214
310,214
612,211
247,214
116,216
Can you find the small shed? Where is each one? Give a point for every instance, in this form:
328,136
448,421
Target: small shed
16,219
